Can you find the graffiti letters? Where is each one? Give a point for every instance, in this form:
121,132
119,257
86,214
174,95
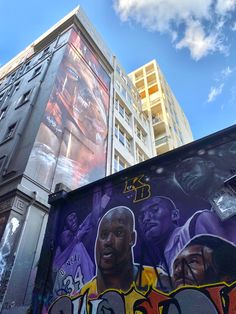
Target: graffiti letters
217,299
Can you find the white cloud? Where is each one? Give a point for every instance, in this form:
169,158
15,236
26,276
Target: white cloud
160,15
203,21
225,6
226,72
214,92
199,43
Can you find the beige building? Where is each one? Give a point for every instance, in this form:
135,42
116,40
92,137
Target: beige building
169,123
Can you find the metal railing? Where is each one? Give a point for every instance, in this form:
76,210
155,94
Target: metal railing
162,140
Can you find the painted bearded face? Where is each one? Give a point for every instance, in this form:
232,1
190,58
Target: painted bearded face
194,266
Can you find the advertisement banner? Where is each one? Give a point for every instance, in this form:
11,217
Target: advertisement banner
158,238
71,143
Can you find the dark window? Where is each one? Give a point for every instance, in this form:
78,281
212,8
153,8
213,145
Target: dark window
27,66
12,77
1,97
21,70
10,132
24,99
17,86
37,71
3,113
45,51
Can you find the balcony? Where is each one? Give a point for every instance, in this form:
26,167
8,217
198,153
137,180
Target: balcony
138,75
162,145
149,69
159,125
155,101
162,140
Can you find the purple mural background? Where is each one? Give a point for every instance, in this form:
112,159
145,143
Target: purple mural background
164,226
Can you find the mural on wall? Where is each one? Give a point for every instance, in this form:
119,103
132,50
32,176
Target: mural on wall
7,250
153,242
72,140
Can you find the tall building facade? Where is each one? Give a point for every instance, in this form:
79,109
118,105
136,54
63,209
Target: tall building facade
68,114
169,123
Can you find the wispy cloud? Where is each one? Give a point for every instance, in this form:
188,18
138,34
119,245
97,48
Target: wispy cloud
215,91
233,28
225,6
203,21
226,72
196,40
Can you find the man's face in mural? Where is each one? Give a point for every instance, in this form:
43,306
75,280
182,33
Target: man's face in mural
194,175
194,266
157,219
72,222
115,240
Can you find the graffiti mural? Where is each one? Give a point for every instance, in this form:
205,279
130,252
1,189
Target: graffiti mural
7,250
71,143
150,240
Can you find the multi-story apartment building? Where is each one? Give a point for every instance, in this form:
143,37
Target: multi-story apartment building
170,125
133,140
68,114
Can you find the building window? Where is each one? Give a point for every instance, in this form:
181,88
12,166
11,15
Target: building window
10,132
3,113
118,86
45,52
123,92
27,66
122,111
123,137
129,100
21,70
17,86
12,77
140,134
37,71
119,163
24,99
140,155
118,70
1,97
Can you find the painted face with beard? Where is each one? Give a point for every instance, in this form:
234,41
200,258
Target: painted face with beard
194,266
115,240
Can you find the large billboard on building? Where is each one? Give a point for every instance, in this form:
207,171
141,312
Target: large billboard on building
157,238
71,144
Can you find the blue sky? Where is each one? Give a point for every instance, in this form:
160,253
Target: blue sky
194,43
